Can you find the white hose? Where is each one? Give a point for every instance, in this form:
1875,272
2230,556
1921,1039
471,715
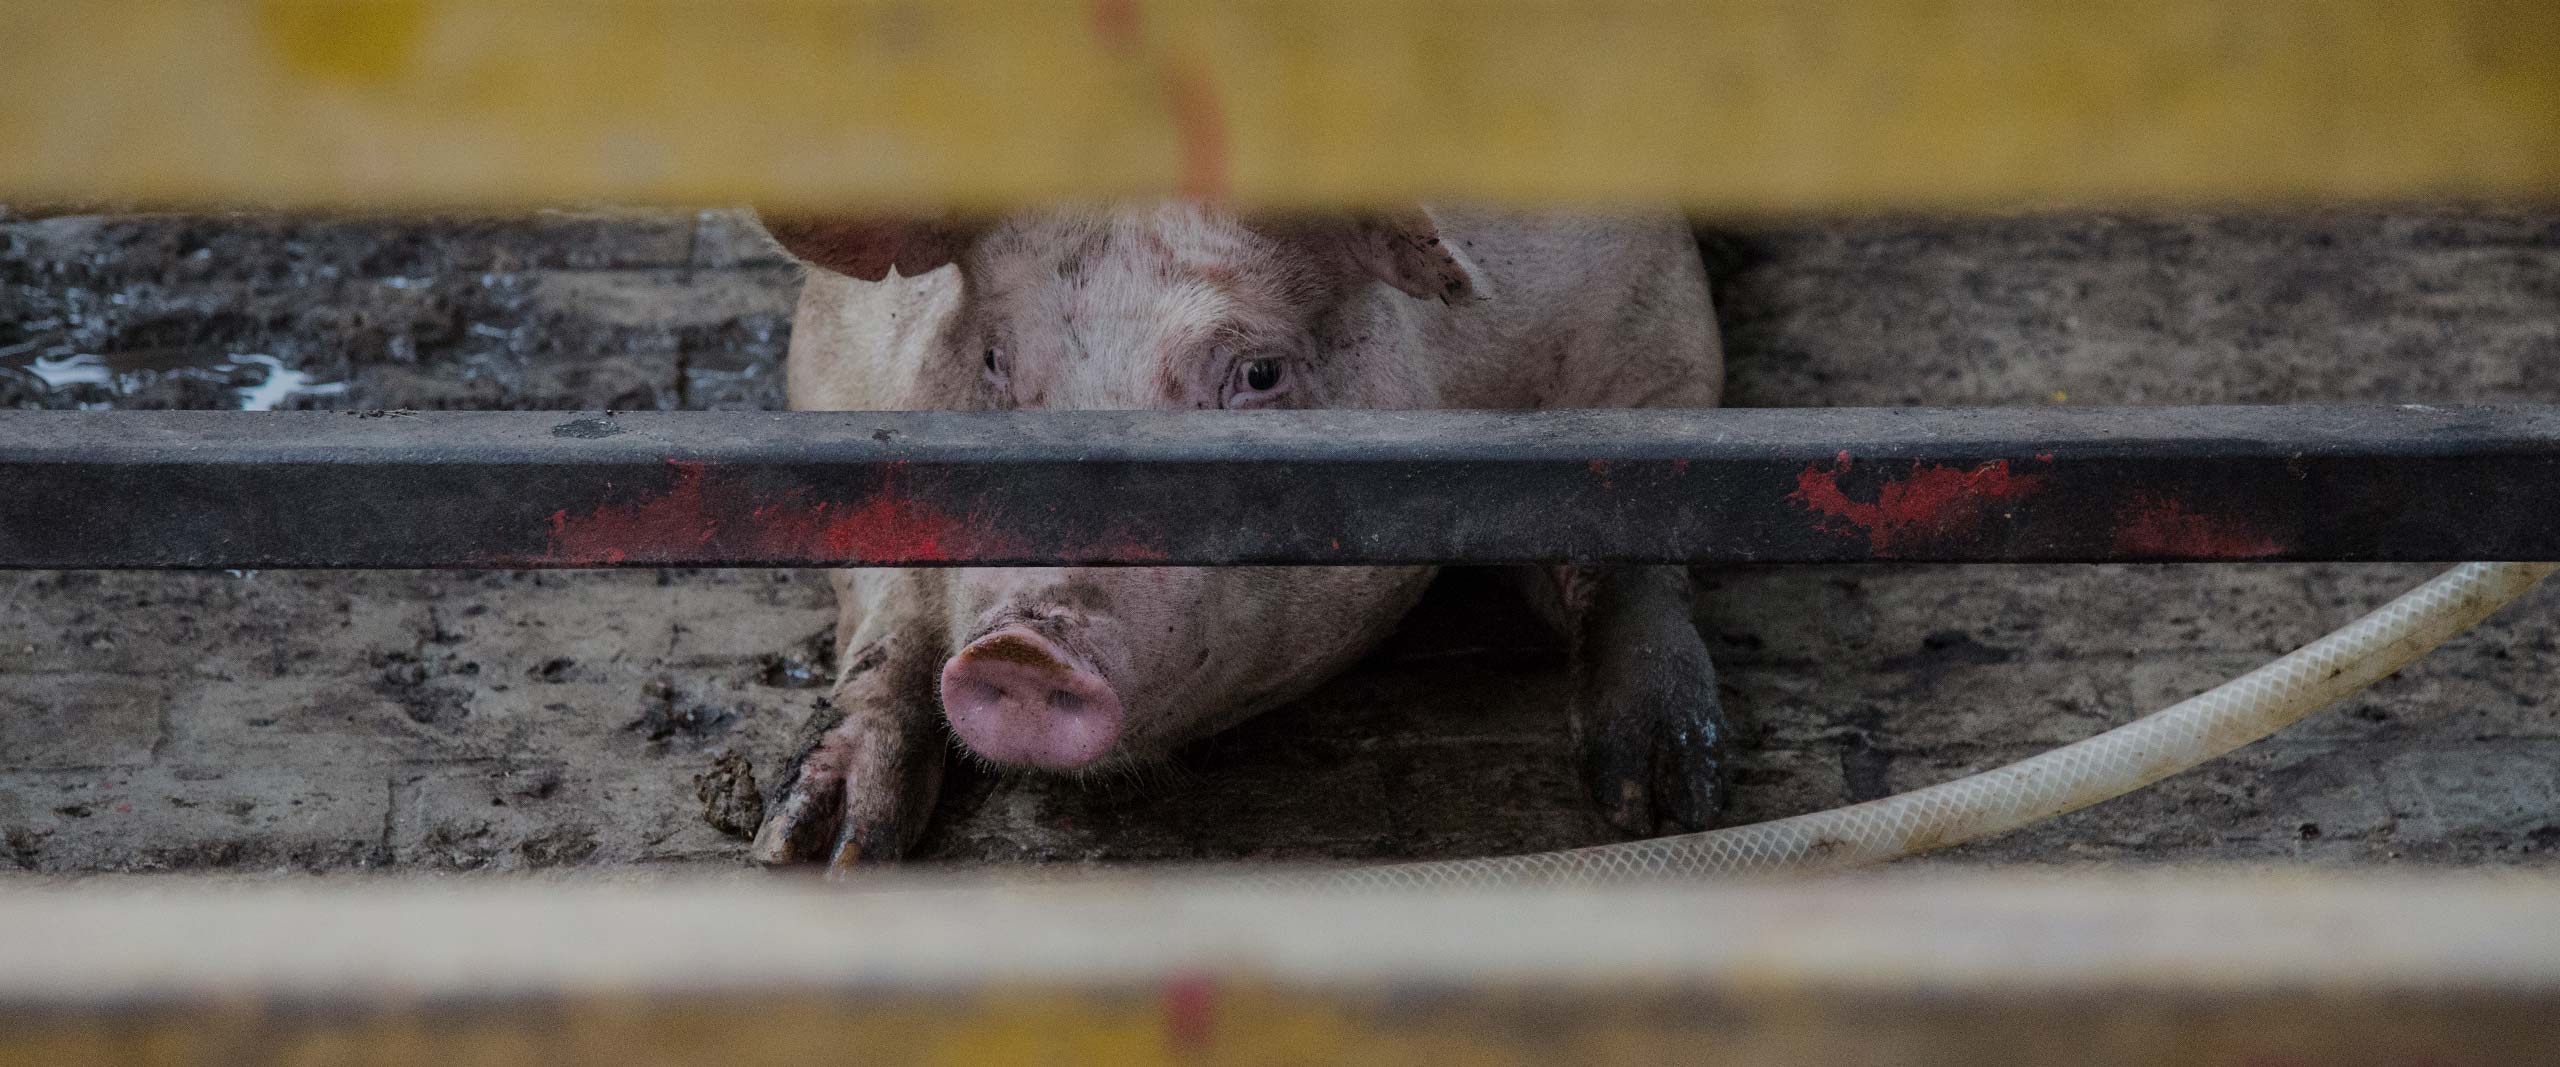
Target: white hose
2069,778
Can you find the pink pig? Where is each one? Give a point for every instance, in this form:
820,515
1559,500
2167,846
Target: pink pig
1179,305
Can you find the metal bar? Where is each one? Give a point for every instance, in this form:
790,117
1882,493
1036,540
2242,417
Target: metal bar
1724,105
549,489
2116,970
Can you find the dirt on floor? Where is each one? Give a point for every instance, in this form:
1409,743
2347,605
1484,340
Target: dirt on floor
501,720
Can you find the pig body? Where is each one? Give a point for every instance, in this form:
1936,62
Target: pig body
1178,305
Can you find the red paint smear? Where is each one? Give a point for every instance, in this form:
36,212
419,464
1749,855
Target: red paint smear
1191,94
1200,125
697,515
1929,504
1190,1012
880,528
2162,526
1135,551
1116,23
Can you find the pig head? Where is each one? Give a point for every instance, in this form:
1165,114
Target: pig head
1171,306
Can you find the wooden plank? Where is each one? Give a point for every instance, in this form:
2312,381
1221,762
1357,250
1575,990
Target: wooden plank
1728,105
1977,969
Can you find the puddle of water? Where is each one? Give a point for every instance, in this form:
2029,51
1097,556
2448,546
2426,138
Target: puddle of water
81,369
258,381
280,384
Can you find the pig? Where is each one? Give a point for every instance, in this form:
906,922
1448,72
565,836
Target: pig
1186,305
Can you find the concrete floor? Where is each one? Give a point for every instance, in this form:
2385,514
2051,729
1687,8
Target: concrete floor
452,720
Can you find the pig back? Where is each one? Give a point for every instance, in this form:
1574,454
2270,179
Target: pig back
1581,310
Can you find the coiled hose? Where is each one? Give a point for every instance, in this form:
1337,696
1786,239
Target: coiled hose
2069,778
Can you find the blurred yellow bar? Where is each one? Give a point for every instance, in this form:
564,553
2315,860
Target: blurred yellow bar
1976,970
1725,105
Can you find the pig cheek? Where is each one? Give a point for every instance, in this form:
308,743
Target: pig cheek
1161,646
1227,652
1203,698
1319,622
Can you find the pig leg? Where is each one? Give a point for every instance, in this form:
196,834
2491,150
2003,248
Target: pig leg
1645,713
870,770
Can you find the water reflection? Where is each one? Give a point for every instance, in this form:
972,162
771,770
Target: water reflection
257,381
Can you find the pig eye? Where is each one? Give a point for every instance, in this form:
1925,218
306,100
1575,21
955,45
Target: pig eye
1254,383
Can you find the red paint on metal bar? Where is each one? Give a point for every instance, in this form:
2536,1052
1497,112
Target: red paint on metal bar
1200,128
882,528
1191,99
697,515
1131,548
1930,504
2160,526
1116,23
1190,1012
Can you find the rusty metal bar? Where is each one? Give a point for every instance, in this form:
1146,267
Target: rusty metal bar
549,489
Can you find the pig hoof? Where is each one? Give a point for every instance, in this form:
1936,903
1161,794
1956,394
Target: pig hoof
856,796
1653,734
802,818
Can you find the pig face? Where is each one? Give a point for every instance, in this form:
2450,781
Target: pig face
1178,310
1159,307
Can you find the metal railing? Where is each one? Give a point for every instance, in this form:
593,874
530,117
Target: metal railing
551,489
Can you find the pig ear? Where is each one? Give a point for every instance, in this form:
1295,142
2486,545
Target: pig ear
1404,249
869,247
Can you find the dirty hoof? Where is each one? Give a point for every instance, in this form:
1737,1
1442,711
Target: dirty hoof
1652,733
802,818
858,794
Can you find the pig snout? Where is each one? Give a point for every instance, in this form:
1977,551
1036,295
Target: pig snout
1015,697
